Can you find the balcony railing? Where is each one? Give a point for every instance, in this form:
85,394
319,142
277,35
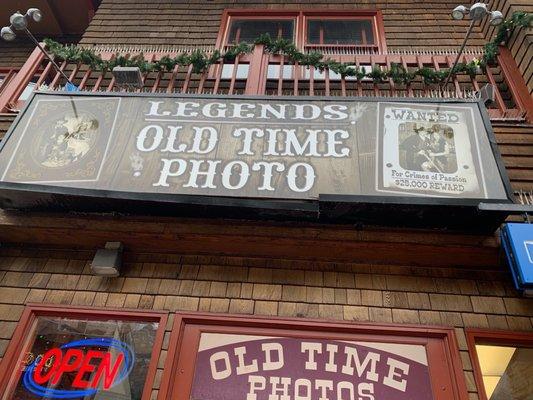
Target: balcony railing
261,73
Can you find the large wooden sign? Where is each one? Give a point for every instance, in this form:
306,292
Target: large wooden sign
255,148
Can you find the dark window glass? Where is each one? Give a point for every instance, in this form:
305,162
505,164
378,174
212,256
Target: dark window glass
334,31
247,30
100,360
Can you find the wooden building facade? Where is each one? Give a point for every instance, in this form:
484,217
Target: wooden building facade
213,306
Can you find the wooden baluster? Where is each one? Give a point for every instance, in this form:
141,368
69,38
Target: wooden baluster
296,77
359,83
343,86
455,80
326,81
45,73
85,78
202,82
58,75
98,81
280,76
233,75
157,81
218,76
311,80
172,79
502,108
187,80
420,66
409,86
375,85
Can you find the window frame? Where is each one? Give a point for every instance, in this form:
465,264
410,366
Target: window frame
300,27
179,369
26,325
492,337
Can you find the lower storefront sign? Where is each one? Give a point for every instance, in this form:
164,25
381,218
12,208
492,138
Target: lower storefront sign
245,367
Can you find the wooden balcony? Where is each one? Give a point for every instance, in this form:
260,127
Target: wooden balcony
262,73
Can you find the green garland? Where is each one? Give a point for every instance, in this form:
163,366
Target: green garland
200,61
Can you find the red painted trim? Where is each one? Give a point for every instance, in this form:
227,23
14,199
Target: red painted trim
440,341
16,85
23,334
516,82
484,336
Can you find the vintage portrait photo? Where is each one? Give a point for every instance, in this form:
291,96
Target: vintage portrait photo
427,147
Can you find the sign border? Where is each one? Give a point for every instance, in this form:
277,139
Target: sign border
56,198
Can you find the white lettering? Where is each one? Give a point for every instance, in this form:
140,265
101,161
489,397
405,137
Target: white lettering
165,170
309,177
389,380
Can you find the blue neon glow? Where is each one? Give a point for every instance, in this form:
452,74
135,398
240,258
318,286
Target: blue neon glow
42,391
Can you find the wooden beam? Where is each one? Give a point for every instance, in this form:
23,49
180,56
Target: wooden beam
251,239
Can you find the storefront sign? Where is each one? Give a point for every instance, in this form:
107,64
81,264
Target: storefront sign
296,149
517,243
93,370
242,367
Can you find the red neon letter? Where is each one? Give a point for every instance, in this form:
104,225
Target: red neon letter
105,369
85,367
71,362
55,355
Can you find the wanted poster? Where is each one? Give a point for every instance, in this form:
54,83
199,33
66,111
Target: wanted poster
428,150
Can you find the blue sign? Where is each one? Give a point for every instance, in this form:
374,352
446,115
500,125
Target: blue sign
517,242
69,358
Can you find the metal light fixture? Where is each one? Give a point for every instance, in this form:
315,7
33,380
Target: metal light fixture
496,18
108,261
459,12
7,34
128,77
19,22
476,12
35,14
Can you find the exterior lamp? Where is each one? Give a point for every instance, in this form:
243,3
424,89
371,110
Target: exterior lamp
459,12
477,12
7,34
19,22
496,18
128,77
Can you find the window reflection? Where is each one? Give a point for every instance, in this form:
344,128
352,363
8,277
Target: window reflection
507,371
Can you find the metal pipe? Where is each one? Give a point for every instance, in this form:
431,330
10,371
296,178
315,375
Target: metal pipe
470,27
47,55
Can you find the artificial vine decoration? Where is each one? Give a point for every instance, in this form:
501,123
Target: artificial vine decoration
200,61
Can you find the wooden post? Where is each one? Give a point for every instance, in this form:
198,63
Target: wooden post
17,85
516,83
257,72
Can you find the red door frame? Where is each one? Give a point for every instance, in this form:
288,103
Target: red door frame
25,327
447,378
485,336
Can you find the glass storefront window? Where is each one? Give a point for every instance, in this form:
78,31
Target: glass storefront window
85,359
507,371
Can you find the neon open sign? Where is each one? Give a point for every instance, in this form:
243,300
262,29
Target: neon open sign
105,370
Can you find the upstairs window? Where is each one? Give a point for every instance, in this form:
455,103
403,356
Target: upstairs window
340,31
247,30
333,32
